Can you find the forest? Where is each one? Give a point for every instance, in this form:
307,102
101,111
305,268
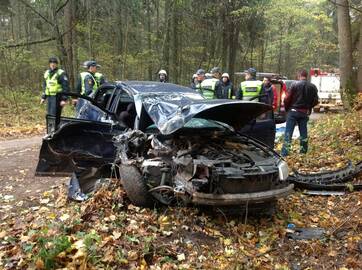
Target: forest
134,39
142,175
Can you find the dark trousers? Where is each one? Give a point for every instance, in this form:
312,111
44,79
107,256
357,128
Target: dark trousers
296,118
51,105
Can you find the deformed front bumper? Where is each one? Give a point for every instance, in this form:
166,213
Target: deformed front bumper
240,199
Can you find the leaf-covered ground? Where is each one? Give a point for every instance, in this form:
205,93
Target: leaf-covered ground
21,115
107,232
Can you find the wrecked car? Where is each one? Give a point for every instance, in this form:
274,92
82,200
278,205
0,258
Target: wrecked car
168,144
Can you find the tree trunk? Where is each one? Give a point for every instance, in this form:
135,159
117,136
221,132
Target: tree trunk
359,86
175,45
224,44
233,45
149,44
345,43
69,39
280,52
167,39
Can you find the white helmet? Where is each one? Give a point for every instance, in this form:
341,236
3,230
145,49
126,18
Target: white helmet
225,75
162,71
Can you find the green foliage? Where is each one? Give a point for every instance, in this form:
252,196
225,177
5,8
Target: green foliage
134,39
22,106
49,249
90,242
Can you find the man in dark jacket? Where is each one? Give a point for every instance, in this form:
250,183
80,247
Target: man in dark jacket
267,95
300,100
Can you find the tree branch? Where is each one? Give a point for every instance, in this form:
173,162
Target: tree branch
61,7
21,44
36,12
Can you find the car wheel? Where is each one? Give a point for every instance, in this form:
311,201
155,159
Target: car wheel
316,110
135,186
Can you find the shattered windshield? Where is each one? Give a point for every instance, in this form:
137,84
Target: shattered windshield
198,123
203,123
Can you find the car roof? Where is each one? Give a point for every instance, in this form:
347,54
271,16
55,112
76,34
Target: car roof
150,86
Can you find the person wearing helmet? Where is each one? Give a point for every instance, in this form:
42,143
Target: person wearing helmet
211,88
55,81
200,77
227,86
193,81
251,88
162,75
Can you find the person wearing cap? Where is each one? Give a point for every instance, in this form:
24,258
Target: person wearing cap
90,80
162,76
251,88
227,86
200,77
55,81
211,88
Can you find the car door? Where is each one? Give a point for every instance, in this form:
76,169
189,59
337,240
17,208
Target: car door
82,141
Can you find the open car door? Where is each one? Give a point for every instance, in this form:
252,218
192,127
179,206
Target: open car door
81,141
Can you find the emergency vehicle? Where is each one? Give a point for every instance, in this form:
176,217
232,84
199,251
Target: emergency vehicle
328,85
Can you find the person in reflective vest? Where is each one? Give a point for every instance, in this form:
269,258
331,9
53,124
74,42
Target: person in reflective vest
55,81
211,88
251,88
200,77
90,80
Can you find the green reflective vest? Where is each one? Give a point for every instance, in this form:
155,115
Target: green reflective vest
208,87
251,89
52,86
96,77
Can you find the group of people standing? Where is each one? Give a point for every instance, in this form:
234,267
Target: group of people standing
217,85
55,80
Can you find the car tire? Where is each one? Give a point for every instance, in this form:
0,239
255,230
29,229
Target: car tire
135,186
316,110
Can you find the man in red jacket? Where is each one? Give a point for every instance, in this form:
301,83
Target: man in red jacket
300,100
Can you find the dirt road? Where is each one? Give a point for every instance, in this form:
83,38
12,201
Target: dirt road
18,185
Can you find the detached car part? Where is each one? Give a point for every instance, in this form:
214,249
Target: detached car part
332,180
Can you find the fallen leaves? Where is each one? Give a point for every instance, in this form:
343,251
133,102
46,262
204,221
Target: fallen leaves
110,233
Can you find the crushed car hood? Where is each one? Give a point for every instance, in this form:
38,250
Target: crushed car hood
172,110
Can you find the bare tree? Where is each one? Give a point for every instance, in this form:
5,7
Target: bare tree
359,85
